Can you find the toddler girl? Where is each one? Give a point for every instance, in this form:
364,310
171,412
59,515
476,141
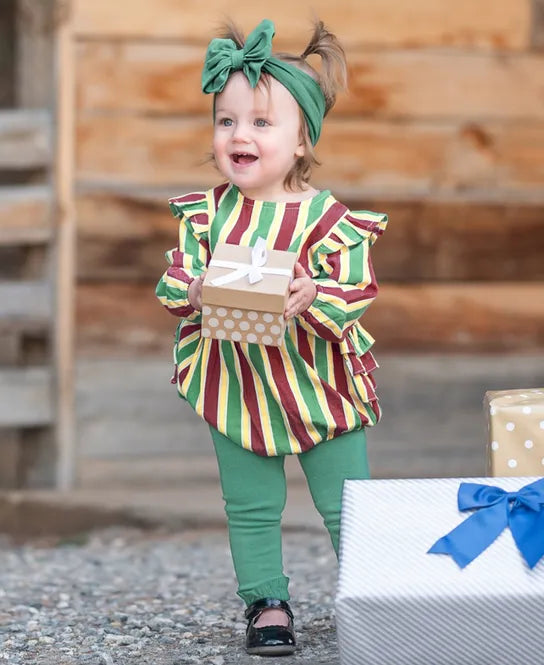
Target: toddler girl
314,395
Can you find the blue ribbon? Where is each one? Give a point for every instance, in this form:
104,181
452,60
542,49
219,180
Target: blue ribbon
495,510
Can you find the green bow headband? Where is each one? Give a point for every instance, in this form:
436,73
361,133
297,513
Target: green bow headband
223,57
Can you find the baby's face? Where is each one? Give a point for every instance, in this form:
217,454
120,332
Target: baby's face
257,136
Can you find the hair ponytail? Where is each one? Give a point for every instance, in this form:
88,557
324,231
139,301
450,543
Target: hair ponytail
333,76
229,30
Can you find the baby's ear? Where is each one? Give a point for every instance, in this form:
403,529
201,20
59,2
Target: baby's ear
301,149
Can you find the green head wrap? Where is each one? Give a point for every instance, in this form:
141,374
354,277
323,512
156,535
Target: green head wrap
223,57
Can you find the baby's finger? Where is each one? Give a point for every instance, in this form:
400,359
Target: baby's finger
296,285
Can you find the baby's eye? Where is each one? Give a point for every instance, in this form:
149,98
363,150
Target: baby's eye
261,122
225,122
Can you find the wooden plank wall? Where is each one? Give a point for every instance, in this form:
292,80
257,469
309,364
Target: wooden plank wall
443,128
28,451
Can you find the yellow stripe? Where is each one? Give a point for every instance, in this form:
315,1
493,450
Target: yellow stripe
276,224
311,343
231,221
210,203
358,402
222,404
199,406
349,414
343,277
174,304
201,349
322,399
340,303
330,366
302,218
357,390
245,238
185,342
299,398
175,283
294,444
266,423
244,414
367,278
325,320
245,424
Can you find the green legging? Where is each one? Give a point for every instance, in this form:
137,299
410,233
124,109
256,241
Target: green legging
254,491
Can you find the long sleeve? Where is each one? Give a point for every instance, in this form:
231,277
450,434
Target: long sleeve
344,277
186,262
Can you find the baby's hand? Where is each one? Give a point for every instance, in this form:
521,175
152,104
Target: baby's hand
302,293
194,292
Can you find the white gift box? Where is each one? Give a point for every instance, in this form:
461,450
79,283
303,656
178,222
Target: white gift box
398,605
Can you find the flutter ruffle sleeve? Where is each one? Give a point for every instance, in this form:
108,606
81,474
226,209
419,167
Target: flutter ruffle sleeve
343,274
189,259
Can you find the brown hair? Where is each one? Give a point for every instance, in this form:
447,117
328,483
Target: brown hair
331,79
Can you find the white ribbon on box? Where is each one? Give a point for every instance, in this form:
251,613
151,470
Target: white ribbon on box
254,270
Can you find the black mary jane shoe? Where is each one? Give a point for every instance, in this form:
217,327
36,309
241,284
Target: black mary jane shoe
269,640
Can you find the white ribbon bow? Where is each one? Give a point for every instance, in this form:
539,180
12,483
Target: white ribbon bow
254,270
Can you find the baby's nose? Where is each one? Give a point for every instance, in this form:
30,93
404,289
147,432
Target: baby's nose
241,133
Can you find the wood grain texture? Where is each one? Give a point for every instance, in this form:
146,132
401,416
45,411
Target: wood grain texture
155,77
25,139
537,25
7,54
25,306
471,317
122,236
490,23
10,455
35,84
460,240
25,214
384,156
25,397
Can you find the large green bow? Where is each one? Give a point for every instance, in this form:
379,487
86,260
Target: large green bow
223,58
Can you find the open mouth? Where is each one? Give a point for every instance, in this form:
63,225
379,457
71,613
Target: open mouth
243,158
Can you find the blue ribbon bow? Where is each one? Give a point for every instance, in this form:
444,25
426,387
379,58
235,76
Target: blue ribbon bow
495,510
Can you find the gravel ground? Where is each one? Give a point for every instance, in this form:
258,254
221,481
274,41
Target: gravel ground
124,596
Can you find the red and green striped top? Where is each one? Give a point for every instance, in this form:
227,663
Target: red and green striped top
318,385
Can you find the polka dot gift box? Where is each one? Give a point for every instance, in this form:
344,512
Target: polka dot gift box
245,292
515,432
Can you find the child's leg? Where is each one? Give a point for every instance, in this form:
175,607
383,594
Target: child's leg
254,491
326,467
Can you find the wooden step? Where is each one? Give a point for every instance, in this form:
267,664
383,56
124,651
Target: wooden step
25,139
25,306
25,397
25,215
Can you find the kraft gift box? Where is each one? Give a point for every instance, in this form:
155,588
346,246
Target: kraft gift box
397,604
515,424
245,292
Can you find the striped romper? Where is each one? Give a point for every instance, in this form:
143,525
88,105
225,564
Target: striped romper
318,385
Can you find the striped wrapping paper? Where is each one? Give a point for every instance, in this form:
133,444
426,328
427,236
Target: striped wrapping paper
398,605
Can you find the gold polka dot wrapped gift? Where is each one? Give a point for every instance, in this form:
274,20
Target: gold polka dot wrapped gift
515,421
245,292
